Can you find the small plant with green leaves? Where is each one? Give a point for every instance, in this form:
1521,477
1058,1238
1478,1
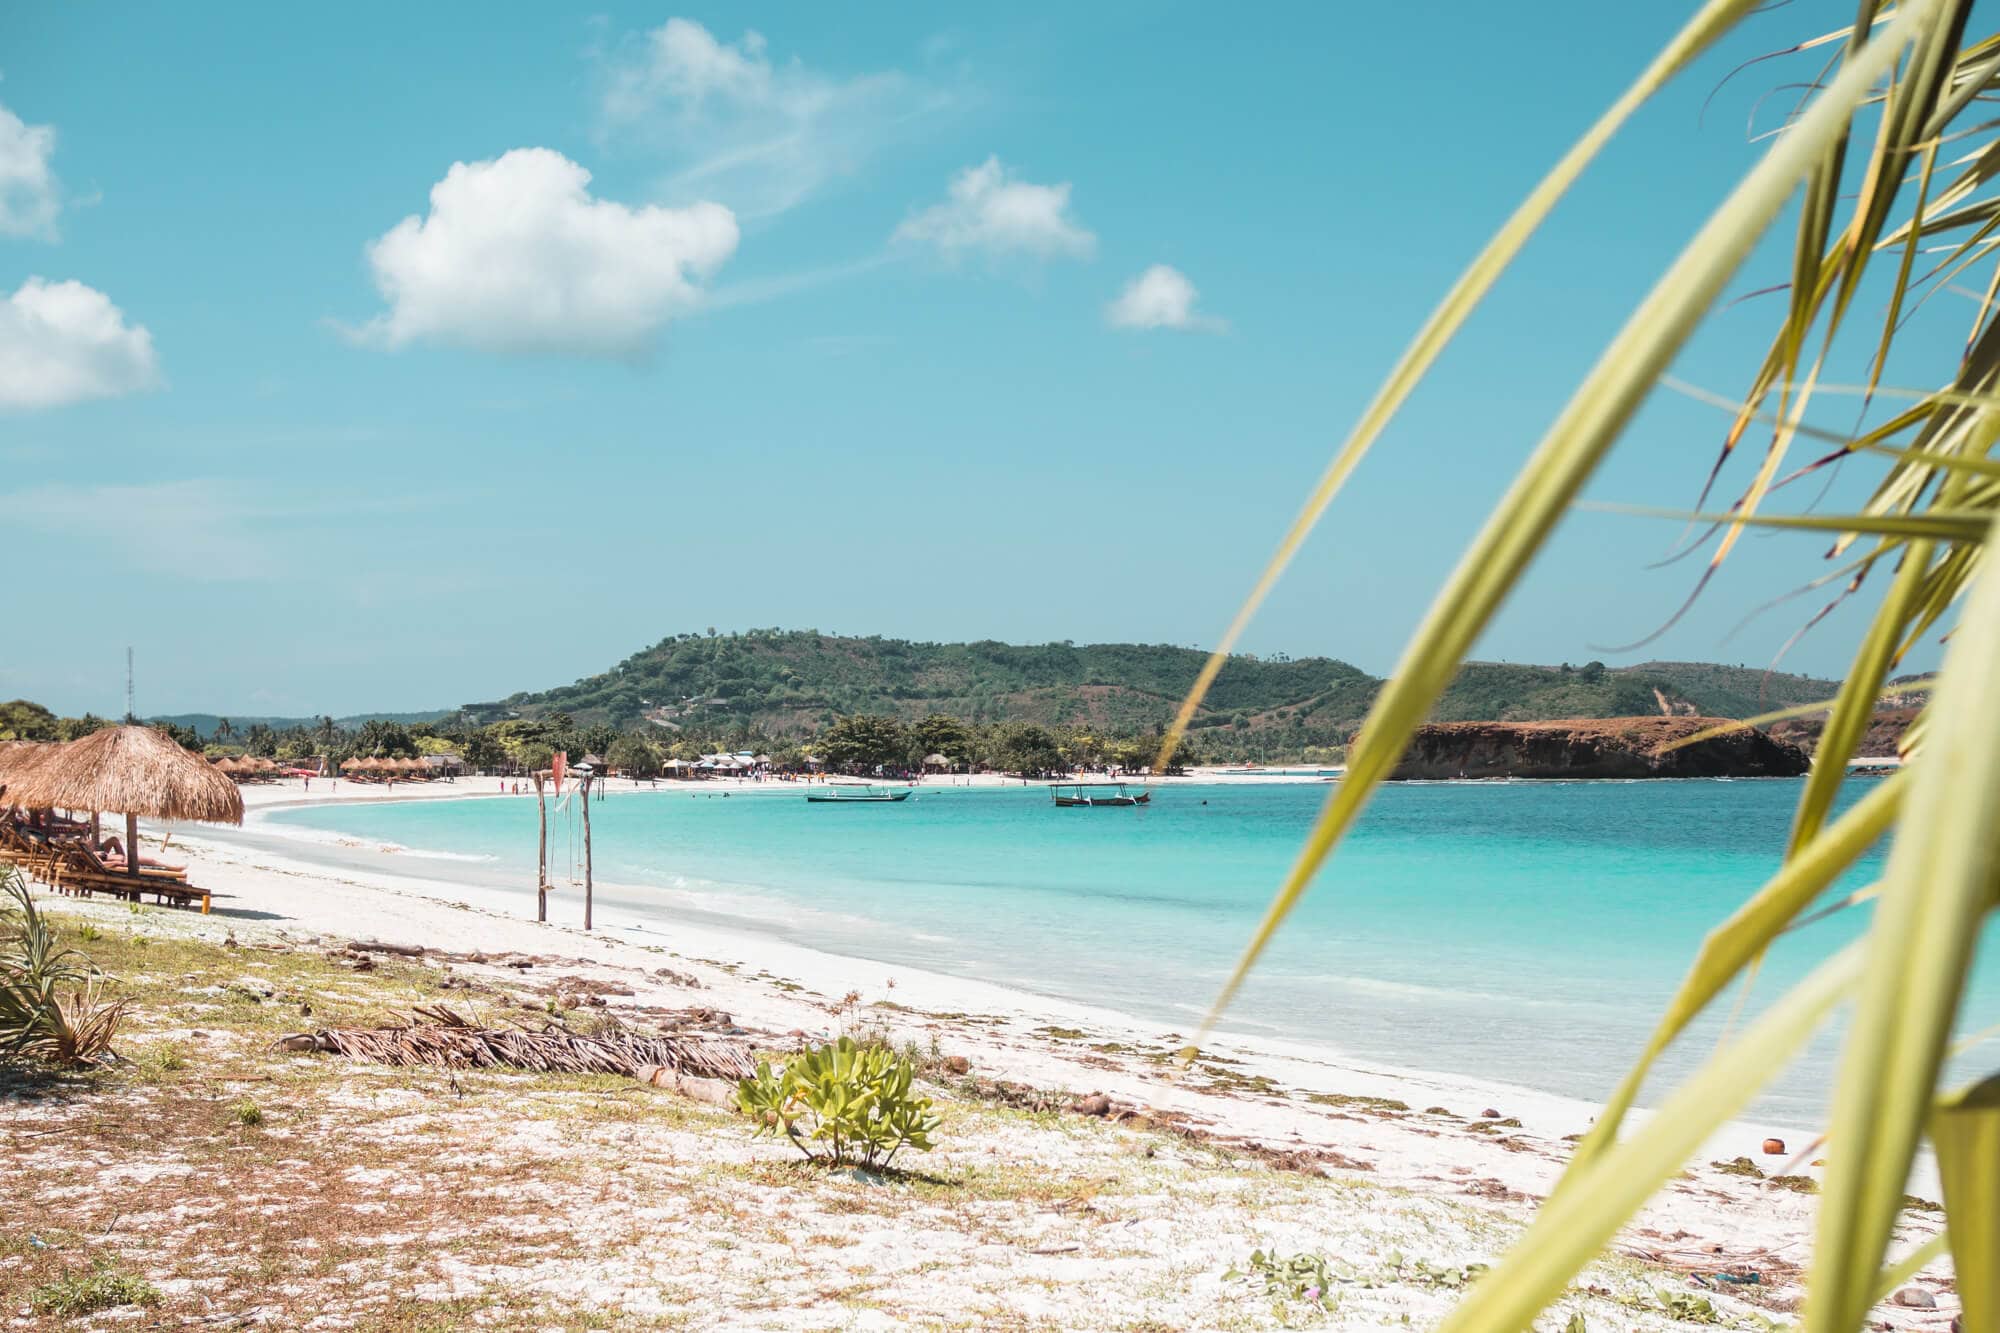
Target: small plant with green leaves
101,1287
161,1059
247,1113
1425,1273
1302,1277
841,1103
52,1008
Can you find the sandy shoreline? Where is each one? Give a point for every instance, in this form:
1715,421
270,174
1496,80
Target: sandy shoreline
1406,1128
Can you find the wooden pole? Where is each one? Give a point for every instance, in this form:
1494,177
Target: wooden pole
586,852
542,855
132,848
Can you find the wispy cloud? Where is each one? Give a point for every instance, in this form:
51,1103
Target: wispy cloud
989,210
204,529
759,135
753,291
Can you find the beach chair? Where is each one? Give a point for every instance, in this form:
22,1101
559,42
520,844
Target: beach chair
80,870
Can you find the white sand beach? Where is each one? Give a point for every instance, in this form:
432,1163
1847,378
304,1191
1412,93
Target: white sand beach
1416,1134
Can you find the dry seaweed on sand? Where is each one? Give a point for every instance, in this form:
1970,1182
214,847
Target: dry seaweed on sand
438,1036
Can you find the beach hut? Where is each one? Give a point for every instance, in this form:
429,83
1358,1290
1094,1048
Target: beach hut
133,771
353,766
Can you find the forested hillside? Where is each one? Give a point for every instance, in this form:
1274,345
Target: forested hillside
793,683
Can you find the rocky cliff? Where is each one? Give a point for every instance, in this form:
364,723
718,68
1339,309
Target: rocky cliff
1616,747
1883,738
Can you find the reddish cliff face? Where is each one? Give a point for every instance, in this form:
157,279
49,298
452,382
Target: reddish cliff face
1883,738
1613,747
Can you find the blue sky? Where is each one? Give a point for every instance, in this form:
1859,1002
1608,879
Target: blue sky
410,356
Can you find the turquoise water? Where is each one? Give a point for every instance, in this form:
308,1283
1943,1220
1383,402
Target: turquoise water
1528,932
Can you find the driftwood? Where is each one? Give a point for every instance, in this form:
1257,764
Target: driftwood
377,946
444,1039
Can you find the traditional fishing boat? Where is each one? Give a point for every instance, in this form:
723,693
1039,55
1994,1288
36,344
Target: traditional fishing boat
1069,794
847,793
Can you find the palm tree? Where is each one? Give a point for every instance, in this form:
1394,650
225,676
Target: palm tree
1891,151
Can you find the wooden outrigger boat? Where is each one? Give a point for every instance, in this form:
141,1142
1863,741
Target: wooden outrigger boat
1068,794
847,794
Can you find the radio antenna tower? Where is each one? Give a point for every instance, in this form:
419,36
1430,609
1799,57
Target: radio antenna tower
131,714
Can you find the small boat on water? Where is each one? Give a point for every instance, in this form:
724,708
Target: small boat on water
848,793
1068,794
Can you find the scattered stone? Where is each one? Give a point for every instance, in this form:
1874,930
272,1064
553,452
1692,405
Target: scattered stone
305,1009
1095,1104
1914,1298
1489,1114
797,1032
958,1064
1774,1147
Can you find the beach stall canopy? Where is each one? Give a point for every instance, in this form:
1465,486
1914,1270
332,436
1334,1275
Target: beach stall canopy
134,771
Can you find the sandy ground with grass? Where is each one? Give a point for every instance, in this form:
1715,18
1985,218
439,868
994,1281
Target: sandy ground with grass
373,1198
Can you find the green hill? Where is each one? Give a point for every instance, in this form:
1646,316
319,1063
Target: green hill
787,683
204,724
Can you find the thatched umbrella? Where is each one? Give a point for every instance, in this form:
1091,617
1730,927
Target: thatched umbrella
135,771
352,764
19,759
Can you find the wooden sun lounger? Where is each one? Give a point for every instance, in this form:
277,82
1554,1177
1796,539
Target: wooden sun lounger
71,865
78,869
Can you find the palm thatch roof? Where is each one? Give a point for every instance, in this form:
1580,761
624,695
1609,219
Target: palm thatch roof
134,771
18,759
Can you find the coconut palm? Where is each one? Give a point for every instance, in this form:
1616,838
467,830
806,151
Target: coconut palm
1890,152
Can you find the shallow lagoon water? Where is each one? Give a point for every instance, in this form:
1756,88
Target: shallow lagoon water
1524,932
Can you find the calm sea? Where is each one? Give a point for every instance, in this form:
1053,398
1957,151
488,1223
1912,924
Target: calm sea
1527,932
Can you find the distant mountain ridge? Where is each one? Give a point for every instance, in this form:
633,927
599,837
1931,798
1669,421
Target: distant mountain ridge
793,682
204,724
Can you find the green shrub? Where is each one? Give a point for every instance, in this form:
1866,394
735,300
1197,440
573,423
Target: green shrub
247,1113
841,1103
102,1288
38,1019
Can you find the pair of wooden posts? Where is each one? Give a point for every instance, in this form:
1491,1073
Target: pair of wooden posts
542,885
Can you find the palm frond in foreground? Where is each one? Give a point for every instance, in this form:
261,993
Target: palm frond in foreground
1892,154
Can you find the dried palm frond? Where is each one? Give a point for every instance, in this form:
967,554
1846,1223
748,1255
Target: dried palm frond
446,1040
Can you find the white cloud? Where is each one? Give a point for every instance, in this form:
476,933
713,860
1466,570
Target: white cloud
516,256
988,210
29,196
63,342
1160,298
759,136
